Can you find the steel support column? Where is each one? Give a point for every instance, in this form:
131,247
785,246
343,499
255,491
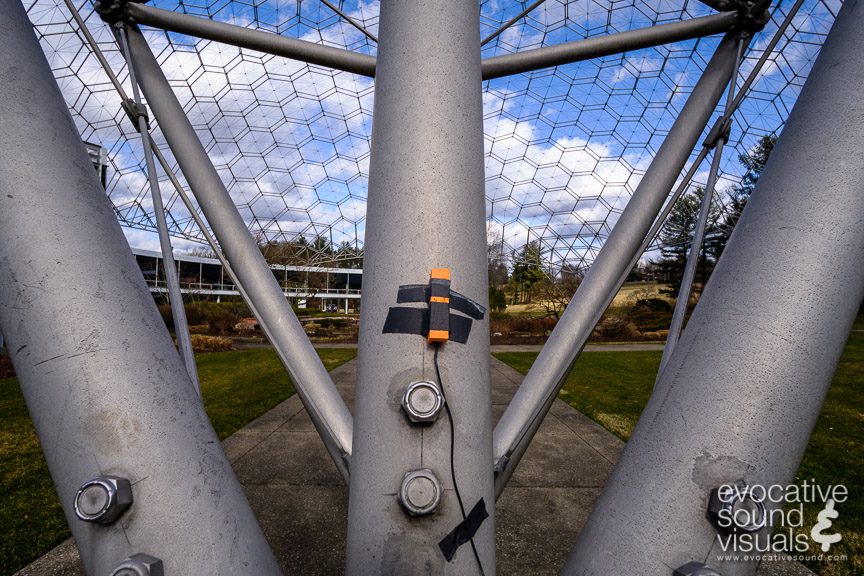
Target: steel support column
105,387
744,387
426,209
316,389
540,387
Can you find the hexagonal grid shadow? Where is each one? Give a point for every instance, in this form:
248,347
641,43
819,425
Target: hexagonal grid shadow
565,147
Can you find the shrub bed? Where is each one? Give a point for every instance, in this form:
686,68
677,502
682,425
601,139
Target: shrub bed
204,343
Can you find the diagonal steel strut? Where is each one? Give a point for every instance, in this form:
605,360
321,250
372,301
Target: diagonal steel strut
104,385
314,386
540,387
744,387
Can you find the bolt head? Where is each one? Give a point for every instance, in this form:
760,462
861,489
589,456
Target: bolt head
140,565
420,492
733,510
423,401
103,499
695,569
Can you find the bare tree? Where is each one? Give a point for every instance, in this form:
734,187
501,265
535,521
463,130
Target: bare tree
497,261
553,294
201,252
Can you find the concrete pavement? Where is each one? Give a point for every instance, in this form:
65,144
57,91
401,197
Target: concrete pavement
301,502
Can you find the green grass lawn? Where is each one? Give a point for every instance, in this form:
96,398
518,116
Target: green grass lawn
237,388
613,387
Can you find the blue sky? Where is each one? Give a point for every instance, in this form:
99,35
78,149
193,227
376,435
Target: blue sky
565,147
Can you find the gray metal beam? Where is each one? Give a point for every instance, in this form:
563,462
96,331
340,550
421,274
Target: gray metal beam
661,218
253,39
163,162
767,51
540,387
172,275
426,209
202,226
727,113
494,67
103,383
686,288
323,402
716,138
547,57
744,387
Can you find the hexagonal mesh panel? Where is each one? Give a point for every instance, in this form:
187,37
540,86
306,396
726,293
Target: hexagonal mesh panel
565,146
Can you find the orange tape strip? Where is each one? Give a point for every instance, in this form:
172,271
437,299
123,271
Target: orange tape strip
440,273
438,335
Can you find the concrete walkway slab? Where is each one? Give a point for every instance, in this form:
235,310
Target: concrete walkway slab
302,504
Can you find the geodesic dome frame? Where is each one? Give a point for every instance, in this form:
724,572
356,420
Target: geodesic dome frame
565,146
428,210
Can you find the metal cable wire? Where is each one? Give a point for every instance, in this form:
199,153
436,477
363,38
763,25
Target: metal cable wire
452,452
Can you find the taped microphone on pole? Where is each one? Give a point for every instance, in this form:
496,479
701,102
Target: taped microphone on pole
437,322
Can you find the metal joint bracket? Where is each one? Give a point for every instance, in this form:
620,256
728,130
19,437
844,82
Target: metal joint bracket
500,465
720,131
752,15
113,11
134,112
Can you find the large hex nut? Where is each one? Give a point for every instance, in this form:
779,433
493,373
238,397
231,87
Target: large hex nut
423,401
420,492
103,499
140,565
733,510
695,569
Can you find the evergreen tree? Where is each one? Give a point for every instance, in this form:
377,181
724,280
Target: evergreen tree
497,299
676,238
527,268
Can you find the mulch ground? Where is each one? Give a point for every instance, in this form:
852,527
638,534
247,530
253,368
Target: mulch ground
6,370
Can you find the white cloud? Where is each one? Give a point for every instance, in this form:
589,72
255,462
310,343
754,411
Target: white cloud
288,138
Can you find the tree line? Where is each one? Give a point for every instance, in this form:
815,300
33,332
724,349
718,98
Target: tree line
676,236
526,275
